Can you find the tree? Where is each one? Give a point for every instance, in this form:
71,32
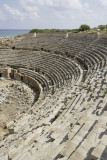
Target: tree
102,27
84,27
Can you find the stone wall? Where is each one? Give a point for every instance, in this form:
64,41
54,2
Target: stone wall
10,73
6,73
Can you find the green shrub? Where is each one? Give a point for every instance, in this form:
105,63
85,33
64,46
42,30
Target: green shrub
102,27
75,30
84,27
44,30
36,30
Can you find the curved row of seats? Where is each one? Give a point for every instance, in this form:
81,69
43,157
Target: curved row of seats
57,44
71,123
95,56
61,129
59,70
44,82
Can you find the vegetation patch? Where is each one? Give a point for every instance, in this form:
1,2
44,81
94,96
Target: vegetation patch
82,28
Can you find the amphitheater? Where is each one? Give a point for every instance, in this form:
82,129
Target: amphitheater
53,97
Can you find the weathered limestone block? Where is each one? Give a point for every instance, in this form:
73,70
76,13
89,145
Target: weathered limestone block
104,140
4,157
10,124
96,154
78,155
70,147
11,130
17,76
31,81
7,73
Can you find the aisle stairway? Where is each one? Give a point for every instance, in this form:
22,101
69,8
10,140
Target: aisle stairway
70,124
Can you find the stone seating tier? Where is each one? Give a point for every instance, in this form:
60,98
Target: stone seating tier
56,43
71,123
51,65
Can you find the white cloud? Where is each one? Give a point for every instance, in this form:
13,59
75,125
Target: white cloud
73,4
72,9
33,7
83,15
30,8
53,3
2,16
86,5
55,13
15,13
27,10
103,2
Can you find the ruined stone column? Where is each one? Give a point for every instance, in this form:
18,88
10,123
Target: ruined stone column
98,35
35,35
66,35
7,72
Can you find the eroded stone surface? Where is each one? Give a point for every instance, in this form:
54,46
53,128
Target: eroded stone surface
69,124
15,98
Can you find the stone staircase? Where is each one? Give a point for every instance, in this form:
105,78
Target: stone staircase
70,124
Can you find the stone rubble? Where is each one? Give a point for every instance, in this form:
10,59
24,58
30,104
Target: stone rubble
15,98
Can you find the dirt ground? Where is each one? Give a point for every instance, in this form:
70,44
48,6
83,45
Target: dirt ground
15,98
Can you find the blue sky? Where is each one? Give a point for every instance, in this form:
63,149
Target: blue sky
28,14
